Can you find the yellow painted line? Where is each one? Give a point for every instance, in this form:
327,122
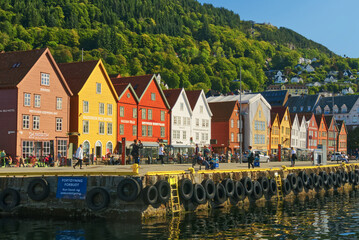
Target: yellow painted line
240,170
60,173
165,173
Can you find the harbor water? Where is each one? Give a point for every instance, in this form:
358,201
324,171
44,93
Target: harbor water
332,215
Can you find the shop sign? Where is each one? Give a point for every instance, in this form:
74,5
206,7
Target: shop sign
153,124
38,135
7,110
71,187
128,121
97,118
43,112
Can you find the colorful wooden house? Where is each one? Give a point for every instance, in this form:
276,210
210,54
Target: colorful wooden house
322,131
34,104
274,133
332,134
93,107
342,136
285,125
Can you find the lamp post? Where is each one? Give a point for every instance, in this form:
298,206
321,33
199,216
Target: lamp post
240,115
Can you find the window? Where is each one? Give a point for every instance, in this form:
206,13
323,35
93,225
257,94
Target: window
101,108
27,99
36,122
238,137
308,107
162,115
153,96
25,121
37,102
85,126
237,123
184,135
58,124
101,127
121,129
163,132
175,120
122,111
179,120
144,130
85,106
98,88
294,109
260,113
109,147
86,148
58,103
109,128
232,137
134,130
143,115
181,106
197,136
149,114
176,134
62,147
301,108
46,148
197,122
27,148
232,122
45,79
149,131
134,112
201,109
109,109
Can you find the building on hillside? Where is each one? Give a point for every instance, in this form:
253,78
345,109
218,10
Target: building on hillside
342,137
153,114
34,104
93,117
201,118
127,114
312,130
332,134
181,120
256,119
322,131
296,79
274,133
284,126
345,108
293,89
302,104
348,90
225,126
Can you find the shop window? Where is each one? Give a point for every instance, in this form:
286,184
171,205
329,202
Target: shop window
62,147
27,148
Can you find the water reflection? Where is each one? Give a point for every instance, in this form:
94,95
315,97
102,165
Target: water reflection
325,216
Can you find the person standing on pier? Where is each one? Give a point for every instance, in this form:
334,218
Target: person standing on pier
293,157
250,157
79,156
136,150
161,153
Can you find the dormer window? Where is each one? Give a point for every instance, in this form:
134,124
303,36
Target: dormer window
308,107
326,110
301,108
294,109
318,110
335,109
344,109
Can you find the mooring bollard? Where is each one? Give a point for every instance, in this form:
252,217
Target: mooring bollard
135,168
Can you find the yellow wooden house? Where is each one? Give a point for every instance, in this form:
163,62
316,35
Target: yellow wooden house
284,124
274,134
93,107
260,130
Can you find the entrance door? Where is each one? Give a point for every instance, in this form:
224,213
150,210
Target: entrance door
98,149
38,147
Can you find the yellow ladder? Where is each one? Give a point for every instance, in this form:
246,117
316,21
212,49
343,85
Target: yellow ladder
278,180
174,201
174,230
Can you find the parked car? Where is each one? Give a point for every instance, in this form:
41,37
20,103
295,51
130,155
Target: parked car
263,157
337,156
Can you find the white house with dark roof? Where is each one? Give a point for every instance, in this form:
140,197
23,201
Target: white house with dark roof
298,132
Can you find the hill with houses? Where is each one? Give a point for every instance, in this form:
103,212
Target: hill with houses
192,45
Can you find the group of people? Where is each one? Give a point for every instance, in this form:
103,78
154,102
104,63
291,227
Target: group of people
203,160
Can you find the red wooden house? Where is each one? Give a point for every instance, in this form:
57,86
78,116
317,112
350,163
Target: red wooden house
312,130
332,134
322,131
153,117
342,137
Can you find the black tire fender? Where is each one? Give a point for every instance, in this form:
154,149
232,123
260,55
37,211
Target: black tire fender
352,177
285,186
304,177
315,180
310,184
293,179
164,191
324,177
342,174
320,183
9,199
97,199
128,189
239,191
220,196
356,182
339,179
248,185
300,185
38,189
265,184
229,186
272,187
186,189
199,194
257,190
210,188
150,195
334,178
346,175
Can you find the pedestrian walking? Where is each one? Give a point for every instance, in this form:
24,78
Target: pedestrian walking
79,156
197,150
293,157
161,153
136,146
250,157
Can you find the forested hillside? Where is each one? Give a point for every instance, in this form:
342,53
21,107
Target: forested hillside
189,44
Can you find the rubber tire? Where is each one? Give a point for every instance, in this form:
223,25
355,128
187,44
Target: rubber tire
272,187
92,194
346,175
239,191
38,196
229,186
257,190
286,186
265,184
356,179
300,185
334,178
186,189
339,179
325,177
15,199
304,177
342,174
150,195
248,185
199,194
210,188
329,184
352,177
292,178
315,180
320,184
310,184
164,191
220,196
128,189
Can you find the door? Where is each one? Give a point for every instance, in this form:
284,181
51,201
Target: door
38,149
98,152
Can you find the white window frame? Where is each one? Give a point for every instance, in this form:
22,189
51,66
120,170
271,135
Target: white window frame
85,107
109,109
37,100
109,128
25,121
163,131
27,99
101,128
134,130
143,113
121,129
134,112
163,114
153,96
85,124
101,108
98,88
144,130
36,122
122,111
45,79
149,131
59,124
149,114
58,103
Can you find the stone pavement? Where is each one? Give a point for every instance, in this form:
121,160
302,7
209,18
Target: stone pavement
93,169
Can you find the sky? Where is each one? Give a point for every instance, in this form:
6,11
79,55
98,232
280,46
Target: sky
332,23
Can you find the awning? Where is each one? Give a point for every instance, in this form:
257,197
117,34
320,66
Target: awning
150,144
181,146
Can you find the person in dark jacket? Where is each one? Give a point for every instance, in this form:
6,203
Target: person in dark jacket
250,157
136,146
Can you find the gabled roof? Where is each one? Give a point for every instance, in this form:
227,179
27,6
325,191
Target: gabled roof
292,118
77,73
122,88
140,84
348,100
14,66
302,101
340,124
273,115
280,111
172,95
222,111
193,97
307,116
244,98
328,120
